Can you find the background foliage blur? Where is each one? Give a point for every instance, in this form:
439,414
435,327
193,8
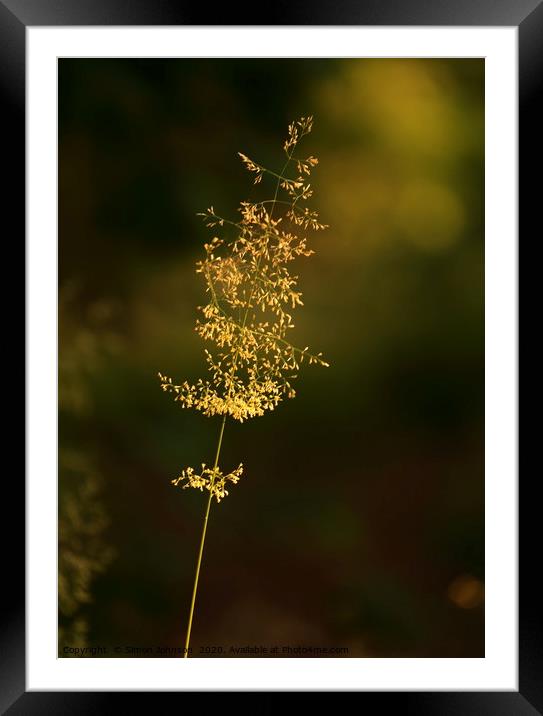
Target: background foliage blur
359,521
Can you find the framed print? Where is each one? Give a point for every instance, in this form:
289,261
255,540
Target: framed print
273,261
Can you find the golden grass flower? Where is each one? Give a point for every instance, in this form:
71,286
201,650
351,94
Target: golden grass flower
247,319
252,295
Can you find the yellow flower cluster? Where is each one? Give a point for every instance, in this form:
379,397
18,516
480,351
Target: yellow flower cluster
209,479
252,295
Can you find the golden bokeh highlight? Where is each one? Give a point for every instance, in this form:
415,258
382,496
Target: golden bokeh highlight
466,592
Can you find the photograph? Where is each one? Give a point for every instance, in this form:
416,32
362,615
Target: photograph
271,346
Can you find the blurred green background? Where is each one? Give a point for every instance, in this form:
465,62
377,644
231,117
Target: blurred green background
359,521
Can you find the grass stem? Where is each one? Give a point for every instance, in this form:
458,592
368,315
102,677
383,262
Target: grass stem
202,542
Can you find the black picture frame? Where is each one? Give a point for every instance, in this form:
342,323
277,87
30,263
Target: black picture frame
15,16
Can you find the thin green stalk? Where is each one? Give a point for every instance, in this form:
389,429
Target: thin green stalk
202,541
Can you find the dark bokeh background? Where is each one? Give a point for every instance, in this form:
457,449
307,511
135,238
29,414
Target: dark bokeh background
359,521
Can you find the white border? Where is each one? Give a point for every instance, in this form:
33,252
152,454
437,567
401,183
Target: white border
498,670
